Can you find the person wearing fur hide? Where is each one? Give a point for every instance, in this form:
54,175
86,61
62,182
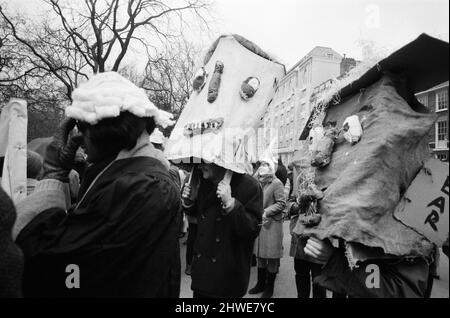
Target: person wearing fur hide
121,237
269,244
393,278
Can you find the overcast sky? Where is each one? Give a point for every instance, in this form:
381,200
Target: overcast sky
289,29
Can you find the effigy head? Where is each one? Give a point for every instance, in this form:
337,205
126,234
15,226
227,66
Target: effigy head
232,89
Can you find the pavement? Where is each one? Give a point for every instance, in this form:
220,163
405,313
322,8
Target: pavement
285,283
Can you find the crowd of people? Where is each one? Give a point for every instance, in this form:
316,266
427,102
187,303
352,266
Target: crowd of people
117,214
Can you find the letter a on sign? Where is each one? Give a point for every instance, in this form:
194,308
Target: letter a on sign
73,279
424,207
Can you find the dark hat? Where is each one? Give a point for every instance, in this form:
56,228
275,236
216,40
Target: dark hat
34,164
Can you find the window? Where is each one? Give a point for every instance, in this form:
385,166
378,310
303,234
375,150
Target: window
441,134
442,100
442,156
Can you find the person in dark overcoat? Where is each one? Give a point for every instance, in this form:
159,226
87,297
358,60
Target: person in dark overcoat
229,218
121,237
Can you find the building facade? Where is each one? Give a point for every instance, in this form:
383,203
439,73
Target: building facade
436,99
290,108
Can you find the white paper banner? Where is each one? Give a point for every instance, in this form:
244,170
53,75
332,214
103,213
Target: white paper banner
13,147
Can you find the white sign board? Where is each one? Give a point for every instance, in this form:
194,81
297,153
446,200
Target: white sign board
13,147
425,206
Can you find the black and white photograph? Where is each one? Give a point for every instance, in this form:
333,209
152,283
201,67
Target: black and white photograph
224,156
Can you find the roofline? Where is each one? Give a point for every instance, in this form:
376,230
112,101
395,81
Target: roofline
402,60
442,85
302,61
308,55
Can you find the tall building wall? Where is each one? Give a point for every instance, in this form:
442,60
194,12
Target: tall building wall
436,99
290,108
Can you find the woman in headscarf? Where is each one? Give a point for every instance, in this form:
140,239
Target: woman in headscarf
121,238
269,244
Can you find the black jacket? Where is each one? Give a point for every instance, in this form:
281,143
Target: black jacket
123,238
282,173
397,278
224,244
11,258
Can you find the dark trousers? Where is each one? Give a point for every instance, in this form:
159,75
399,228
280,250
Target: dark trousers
305,272
192,234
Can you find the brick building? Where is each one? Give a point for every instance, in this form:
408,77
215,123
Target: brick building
436,99
290,108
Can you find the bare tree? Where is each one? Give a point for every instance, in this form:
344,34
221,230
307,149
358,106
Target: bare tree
44,61
75,40
168,77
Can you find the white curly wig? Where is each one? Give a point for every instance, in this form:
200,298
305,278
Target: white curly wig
106,95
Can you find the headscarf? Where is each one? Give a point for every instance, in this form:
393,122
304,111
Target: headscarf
266,173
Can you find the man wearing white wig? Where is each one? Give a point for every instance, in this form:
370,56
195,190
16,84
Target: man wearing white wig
121,237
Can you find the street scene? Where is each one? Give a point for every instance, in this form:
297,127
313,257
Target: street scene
284,287
224,149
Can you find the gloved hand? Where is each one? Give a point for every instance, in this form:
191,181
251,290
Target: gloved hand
186,200
224,194
60,154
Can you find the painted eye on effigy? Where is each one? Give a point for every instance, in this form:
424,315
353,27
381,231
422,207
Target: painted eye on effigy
199,80
214,84
249,88
352,129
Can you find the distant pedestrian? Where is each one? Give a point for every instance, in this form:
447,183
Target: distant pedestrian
269,244
305,267
281,172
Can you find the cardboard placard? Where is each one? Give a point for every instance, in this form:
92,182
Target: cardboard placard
13,147
425,205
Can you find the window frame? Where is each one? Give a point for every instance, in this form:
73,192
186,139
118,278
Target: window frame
445,134
438,93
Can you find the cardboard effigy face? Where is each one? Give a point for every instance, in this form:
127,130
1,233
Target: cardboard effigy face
231,92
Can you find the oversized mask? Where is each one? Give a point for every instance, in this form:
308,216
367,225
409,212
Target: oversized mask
231,91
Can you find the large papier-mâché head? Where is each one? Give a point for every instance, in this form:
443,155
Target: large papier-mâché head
231,92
